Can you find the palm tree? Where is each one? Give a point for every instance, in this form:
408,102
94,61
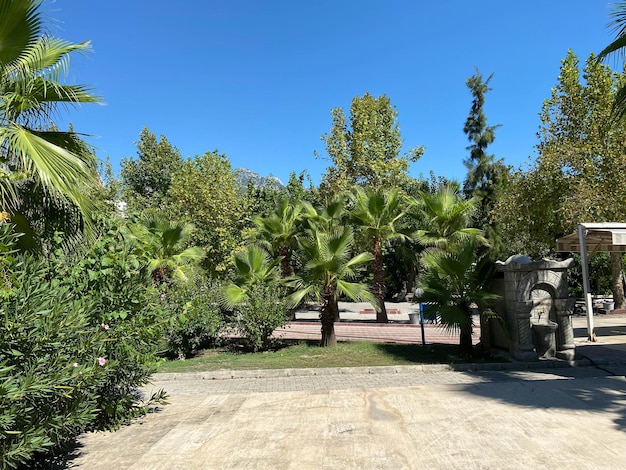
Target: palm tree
453,283
455,277
161,243
377,213
280,230
32,64
618,46
253,266
329,218
331,215
446,218
328,271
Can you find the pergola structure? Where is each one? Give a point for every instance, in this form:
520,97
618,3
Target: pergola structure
593,238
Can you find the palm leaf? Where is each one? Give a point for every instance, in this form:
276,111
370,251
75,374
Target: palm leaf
58,170
20,25
356,291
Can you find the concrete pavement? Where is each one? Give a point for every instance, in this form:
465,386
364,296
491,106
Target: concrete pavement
410,417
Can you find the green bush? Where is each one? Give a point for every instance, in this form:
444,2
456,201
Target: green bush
128,308
49,366
263,311
77,338
195,317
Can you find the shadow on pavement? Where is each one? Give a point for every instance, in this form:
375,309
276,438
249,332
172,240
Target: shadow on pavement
433,353
582,389
601,331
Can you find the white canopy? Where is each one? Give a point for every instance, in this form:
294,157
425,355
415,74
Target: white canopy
593,238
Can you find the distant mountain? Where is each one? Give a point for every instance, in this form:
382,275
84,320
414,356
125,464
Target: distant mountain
243,176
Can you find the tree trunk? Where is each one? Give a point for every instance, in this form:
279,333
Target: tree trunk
465,340
485,334
159,276
285,262
328,312
379,283
617,286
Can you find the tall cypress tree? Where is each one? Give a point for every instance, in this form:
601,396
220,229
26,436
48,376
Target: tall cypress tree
484,174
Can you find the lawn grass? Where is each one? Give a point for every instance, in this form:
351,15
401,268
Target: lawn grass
307,354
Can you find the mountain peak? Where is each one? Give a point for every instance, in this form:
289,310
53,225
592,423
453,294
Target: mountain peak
244,176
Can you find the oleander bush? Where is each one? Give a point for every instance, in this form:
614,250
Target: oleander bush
127,307
52,362
77,339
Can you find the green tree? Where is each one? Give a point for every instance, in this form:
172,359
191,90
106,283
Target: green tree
297,192
147,180
253,265
580,171
279,231
163,246
528,212
366,152
484,175
377,214
55,162
260,201
454,283
328,273
204,192
446,219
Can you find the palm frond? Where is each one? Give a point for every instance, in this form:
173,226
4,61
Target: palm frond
355,291
20,25
618,27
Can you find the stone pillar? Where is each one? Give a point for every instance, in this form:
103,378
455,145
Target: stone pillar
565,348
522,344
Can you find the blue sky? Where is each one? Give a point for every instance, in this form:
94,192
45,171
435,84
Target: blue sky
257,79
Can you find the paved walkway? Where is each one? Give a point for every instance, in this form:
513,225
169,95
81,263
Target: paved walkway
411,417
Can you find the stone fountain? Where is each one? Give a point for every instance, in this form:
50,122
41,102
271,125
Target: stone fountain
537,309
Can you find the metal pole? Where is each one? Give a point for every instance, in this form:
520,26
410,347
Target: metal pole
591,334
417,294
422,324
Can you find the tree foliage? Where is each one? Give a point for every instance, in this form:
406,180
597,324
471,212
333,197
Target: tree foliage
365,147
446,218
580,173
162,245
147,180
485,176
34,154
205,192
279,231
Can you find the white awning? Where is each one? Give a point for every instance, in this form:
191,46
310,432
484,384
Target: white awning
599,237
593,238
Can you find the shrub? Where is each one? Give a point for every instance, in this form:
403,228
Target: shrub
195,317
49,366
127,307
77,338
263,311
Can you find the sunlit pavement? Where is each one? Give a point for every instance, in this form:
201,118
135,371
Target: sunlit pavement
428,417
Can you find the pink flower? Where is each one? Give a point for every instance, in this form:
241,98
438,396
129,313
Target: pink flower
102,361
105,326
75,364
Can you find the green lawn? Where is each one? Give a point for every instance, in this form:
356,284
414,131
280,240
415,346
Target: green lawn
307,354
